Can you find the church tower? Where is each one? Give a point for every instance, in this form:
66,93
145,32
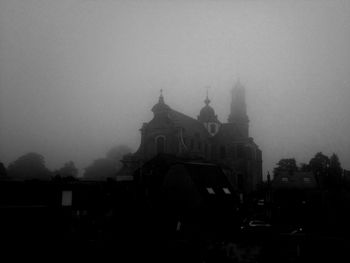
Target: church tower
238,114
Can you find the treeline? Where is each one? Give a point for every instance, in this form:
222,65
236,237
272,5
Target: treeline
32,166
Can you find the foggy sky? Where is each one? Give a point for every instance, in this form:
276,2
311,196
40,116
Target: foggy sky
77,77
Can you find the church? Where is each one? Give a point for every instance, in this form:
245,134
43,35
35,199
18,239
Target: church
204,139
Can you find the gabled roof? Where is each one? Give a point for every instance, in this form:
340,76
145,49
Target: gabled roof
207,175
203,174
178,119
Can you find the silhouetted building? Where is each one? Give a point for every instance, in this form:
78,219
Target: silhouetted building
346,176
297,200
186,196
226,144
295,180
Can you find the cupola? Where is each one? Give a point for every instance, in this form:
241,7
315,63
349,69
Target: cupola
160,107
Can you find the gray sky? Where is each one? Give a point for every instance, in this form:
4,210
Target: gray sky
77,77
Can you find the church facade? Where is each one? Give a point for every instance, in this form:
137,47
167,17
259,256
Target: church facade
204,138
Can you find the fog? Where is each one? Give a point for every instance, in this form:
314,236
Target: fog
78,77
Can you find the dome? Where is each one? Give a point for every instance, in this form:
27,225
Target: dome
160,106
207,113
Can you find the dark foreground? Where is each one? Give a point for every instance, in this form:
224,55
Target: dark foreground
121,238
108,222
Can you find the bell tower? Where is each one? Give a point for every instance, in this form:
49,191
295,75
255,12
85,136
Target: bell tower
238,114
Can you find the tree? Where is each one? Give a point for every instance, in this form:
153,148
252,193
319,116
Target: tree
67,170
319,163
319,166
100,169
335,170
107,167
116,154
286,164
3,172
29,166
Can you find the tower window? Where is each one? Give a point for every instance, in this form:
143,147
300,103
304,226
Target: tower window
199,146
192,144
160,144
212,128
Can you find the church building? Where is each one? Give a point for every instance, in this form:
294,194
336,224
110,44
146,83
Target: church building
206,139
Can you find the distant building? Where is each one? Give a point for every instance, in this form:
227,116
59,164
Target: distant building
346,178
226,144
297,200
295,180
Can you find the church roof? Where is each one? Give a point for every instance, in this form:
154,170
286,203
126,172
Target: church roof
164,116
189,124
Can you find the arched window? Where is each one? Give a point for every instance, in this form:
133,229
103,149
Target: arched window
160,144
212,128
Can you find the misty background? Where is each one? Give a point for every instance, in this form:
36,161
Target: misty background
78,77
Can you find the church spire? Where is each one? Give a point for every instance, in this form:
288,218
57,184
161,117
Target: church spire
238,114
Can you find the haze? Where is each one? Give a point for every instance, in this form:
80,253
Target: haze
78,77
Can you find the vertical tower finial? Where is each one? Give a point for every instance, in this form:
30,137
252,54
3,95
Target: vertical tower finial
161,98
207,100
